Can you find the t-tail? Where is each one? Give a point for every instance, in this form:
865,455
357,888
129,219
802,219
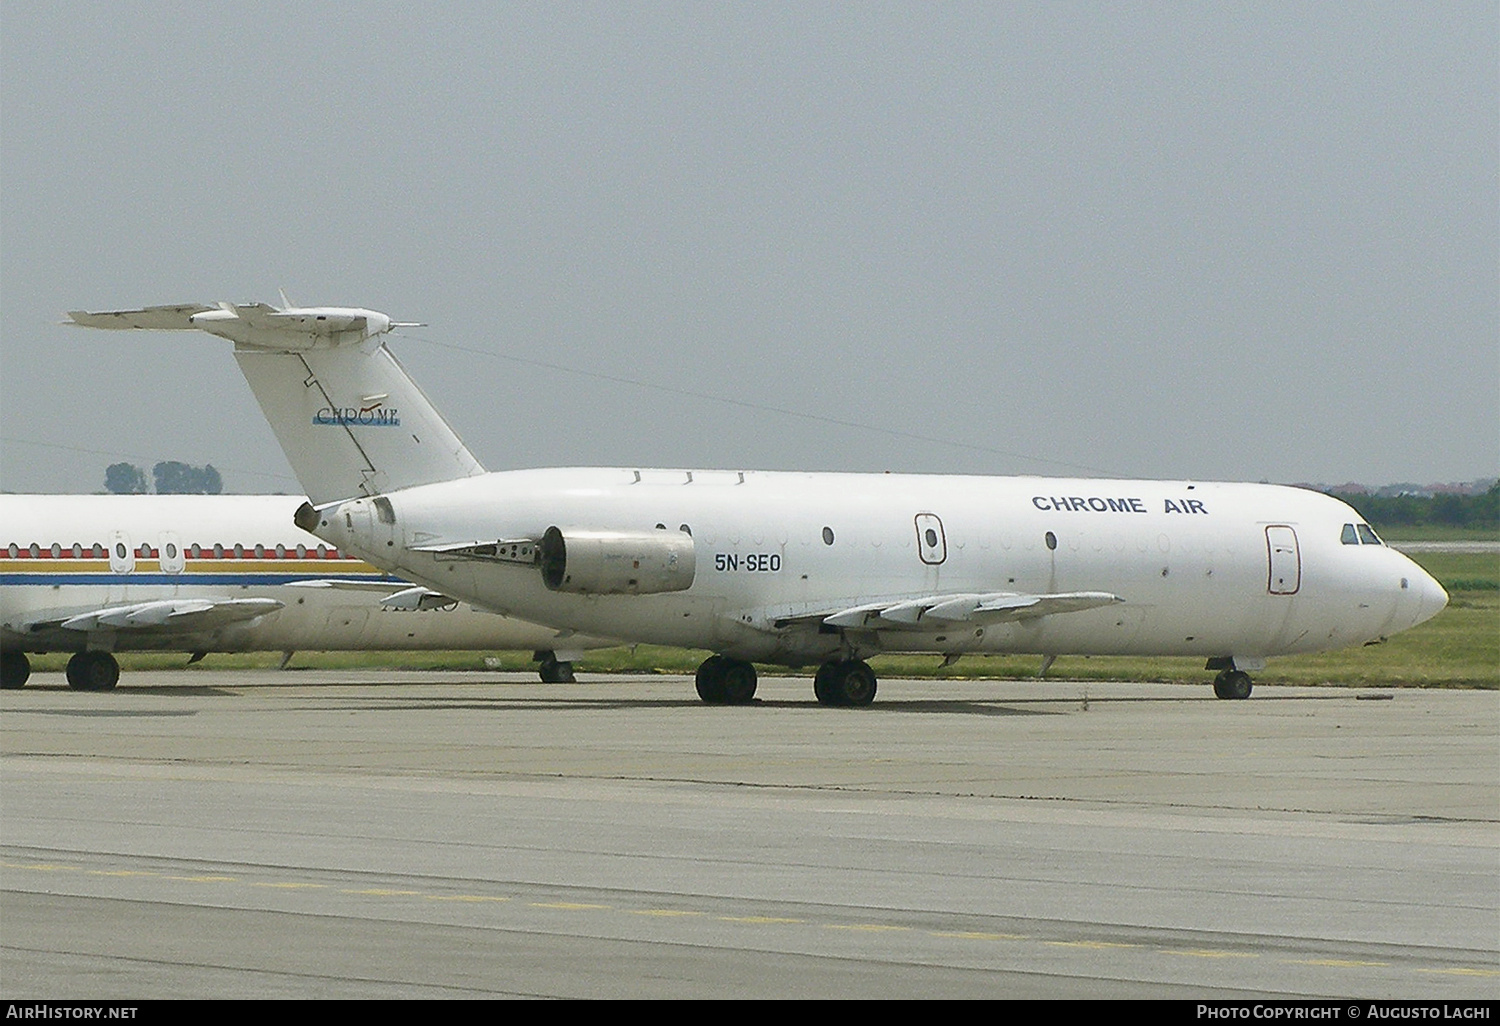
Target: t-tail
349,418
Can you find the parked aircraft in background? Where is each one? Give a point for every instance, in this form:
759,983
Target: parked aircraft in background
98,574
805,568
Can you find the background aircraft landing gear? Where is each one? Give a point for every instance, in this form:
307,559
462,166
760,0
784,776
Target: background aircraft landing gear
847,683
554,670
93,671
14,669
725,681
1232,684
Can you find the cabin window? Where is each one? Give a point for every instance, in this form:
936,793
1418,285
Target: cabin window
1367,535
931,537
685,529
1350,536
1051,540
171,550
827,536
77,551
120,550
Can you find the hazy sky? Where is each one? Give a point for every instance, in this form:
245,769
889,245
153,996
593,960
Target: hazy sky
1256,241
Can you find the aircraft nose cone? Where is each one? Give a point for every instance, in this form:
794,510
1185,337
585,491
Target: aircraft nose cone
1432,598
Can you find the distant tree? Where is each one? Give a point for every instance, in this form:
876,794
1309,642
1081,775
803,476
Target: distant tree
124,479
174,478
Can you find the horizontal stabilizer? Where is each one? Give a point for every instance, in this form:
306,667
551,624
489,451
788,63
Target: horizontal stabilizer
254,325
151,318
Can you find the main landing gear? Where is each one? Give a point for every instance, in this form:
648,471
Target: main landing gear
93,671
1232,684
14,669
725,681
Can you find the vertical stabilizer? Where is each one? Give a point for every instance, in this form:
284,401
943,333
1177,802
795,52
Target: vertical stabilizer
352,422
349,418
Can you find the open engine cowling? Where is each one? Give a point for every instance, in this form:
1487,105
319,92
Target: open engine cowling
588,562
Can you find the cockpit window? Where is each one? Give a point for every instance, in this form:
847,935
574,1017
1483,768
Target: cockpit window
1349,537
1367,535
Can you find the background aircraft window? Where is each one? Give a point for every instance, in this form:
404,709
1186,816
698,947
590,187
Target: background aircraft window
301,551
239,550
260,551
77,550
14,552
218,550
1349,537
827,536
98,551
685,529
1367,535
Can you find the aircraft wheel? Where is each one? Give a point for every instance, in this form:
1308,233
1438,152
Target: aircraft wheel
14,669
555,671
93,671
849,683
823,685
710,680
1232,684
725,681
739,682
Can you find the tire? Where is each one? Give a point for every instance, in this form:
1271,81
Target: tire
1233,684
15,668
710,680
93,671
553,671
850,683
738,682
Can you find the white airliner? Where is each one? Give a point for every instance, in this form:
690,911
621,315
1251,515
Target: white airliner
805,569
97,574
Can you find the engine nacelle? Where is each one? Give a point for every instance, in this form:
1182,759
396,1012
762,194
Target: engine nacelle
590,562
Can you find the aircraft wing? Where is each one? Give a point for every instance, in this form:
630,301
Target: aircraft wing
162,616
932,612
